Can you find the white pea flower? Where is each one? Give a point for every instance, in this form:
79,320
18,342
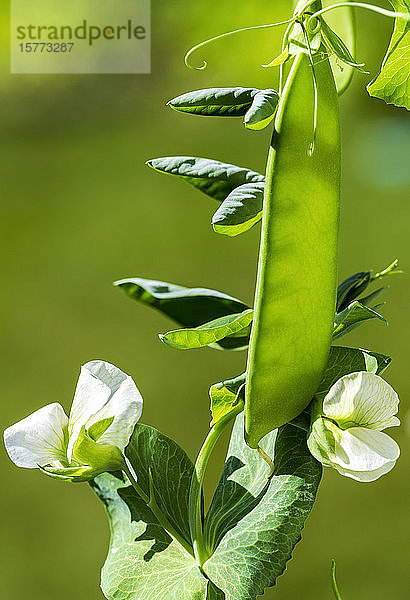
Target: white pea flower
105,410
346,427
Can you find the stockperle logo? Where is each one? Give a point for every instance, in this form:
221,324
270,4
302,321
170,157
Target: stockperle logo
80,36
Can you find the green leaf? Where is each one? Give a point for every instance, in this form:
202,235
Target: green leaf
351,288
241,210
219,102
343,361
258,106
225,397
254,523
237,325
338,47
342,22
352,316
262,111
144,563
188,307
212,177
392,84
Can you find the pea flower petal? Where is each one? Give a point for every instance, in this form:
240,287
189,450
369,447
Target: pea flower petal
105,410
104,391
39,439
346,426
362,399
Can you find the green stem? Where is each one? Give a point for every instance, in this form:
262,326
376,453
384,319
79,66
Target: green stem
224,35
371,7
201,549
334,582
152,504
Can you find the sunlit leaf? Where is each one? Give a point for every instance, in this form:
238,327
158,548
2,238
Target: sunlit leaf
241,210
236,325
254,523
214,178
220,102
257,106
343,361
342,21
352,316
188,307
225,396
262,111
338,47
144,562
392,84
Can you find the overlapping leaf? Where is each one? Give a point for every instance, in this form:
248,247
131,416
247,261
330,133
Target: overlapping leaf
241,210
392,84
257,106
231,326
144,563
343,23
254,523
189,307
352,316
343,361
225,396
214,178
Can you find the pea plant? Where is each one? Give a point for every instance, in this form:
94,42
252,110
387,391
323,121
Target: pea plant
302,402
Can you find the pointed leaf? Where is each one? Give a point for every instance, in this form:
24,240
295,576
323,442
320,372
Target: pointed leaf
237,325
352,316
225,397
392,84
212,177
263,110
189,307
343,361
351,288
254,523
144,562
241,210
338,47
342,21
217,102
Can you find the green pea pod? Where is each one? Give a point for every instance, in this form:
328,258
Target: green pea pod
294,314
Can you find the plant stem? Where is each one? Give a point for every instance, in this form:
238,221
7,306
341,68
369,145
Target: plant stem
334,582
152,504
201,549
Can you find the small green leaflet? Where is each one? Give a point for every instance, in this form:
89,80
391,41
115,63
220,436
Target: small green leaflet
342,22
351,288
338,47
241,210
189,307
343,361
262,111
219,102
352,316
236,325
253,523
143,562
392,84
225,397
257,106
214,178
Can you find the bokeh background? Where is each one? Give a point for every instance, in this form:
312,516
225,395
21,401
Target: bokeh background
79,209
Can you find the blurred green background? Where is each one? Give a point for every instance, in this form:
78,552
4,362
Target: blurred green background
79,209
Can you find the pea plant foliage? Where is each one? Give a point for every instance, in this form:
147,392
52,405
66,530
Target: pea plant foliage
303,401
